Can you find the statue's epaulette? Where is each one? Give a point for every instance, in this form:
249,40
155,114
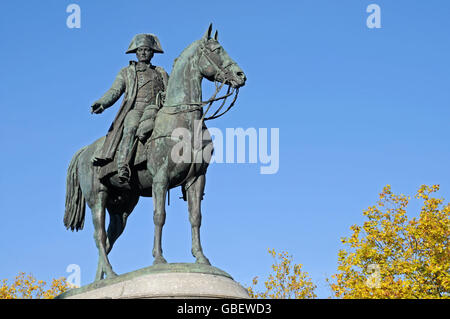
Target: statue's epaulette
163,74
160,70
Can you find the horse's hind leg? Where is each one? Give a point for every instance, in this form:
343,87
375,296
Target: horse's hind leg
194,198
98,217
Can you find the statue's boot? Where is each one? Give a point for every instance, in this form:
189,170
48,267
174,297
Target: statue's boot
125,148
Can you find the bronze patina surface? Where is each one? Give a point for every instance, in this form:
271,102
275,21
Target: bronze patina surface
154,105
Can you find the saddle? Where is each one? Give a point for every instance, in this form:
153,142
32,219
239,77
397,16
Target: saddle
138,158
138,154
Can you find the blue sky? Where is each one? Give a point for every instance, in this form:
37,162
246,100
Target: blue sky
356,108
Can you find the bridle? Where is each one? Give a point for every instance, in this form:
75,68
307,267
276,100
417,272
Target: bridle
222,73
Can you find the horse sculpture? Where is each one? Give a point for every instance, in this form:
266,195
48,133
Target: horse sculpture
182,109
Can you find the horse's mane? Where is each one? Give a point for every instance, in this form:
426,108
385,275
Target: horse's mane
183,53
177,74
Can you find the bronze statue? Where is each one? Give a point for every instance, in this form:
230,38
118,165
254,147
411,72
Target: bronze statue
142,83
153,171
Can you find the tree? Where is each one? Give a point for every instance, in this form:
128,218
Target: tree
393,257
27,287
287,282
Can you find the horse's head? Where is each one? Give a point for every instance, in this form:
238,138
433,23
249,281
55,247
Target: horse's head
216,65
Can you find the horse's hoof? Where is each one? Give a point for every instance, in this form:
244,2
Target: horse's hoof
203,260
112,275
159,260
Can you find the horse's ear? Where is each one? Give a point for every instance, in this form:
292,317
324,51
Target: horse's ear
208,32
216,36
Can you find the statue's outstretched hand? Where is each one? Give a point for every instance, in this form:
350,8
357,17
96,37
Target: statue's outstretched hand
97,108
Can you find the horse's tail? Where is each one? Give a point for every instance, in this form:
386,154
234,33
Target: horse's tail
75,201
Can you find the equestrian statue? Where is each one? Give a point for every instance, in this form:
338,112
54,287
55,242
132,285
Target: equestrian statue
143,153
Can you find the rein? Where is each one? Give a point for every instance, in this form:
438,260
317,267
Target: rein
210,101
222,71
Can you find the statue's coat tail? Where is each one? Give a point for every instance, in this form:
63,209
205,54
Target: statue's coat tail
75,201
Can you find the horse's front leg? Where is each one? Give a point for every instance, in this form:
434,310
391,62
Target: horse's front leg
159,189
194,196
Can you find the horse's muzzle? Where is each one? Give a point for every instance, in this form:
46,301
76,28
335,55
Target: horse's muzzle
238,79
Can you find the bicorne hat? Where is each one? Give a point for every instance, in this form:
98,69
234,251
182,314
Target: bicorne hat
145,39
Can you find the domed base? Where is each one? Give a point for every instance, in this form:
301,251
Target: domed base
163,281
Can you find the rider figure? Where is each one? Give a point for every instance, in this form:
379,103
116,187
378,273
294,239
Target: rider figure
143,85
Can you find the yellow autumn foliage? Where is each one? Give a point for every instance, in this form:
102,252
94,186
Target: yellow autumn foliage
391,256
287,282
27,287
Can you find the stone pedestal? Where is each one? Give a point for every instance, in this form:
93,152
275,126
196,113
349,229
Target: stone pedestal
163,281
